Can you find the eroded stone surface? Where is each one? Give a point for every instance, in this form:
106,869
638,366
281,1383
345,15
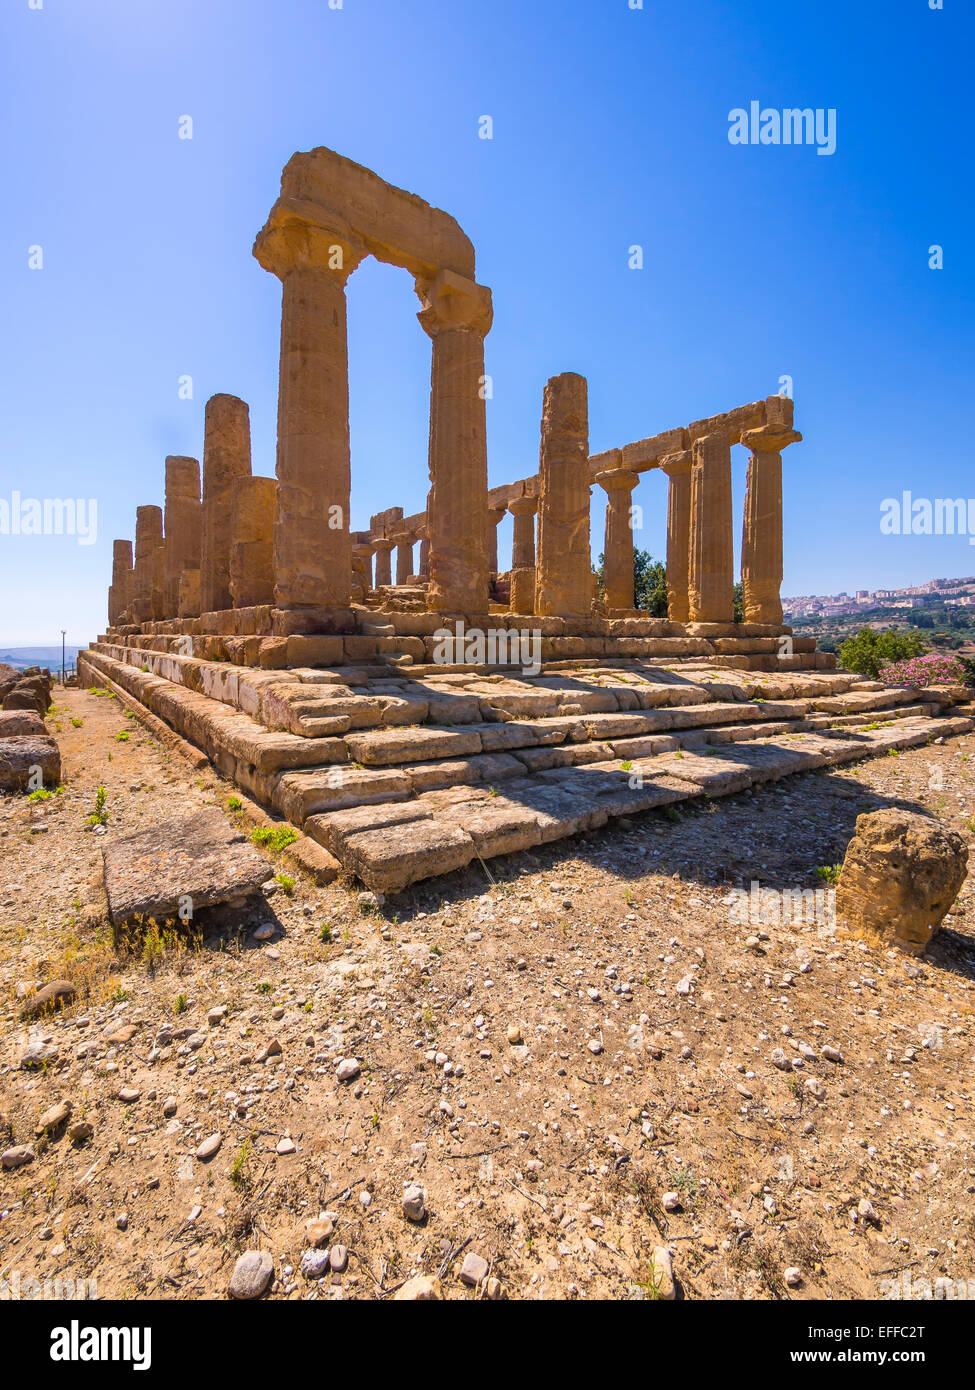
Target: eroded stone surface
195,861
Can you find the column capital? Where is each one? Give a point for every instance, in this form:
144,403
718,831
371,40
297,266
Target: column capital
769,440
384,546
523,506
675,464
452,301
498,513
617,479
292,239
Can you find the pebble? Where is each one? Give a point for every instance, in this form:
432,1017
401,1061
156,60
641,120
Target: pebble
338,1259
414,1203
670,1201
129,1094
252,1274
286,1146
347,1069
474,1269
515,1035
209,1148
314,1263
17,1156
792,1277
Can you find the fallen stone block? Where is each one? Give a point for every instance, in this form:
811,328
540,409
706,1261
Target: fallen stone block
901,873
16,723
25,758
193,861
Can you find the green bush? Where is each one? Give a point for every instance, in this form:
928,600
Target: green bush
869,650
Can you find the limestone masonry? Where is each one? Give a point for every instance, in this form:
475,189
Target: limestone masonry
306,659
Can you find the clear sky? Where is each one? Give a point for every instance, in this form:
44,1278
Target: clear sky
610,130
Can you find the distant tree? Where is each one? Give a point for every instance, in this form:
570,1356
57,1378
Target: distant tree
869,650
649,583
739,609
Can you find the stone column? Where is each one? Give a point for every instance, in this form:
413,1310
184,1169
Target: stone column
564,572
148,546
761,550
183,526
618,484
494,518
226,457
361,570
404,556
678,470
522,599
424,537
312,539
120,592
457,315
252,508
384,573
712,576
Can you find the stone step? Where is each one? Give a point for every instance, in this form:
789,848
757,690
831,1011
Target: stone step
393,845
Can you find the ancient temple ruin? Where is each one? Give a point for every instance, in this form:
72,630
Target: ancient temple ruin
312,666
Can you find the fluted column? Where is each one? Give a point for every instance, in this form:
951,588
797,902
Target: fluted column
384,572
362,569
120,592
226,457
424,537
312,540
252,509
148,570
494,518
182,526
712,578
618,484
761,550
564,570
522,599
457,315
523,509
404,556
678,470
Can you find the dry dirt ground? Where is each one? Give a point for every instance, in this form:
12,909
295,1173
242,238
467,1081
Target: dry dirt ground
642,1023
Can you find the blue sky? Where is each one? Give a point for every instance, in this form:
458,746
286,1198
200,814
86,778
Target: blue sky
610,130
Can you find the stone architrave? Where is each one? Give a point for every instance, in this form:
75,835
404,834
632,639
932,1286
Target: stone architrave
711,581
120,594
149,552
678,469
182,526
457,315
618,579
564,570
252,508
761,550
226,457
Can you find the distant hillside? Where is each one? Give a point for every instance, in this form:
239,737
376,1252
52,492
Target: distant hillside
21,657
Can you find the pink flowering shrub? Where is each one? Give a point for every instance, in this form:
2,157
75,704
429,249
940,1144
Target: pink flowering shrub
936,668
